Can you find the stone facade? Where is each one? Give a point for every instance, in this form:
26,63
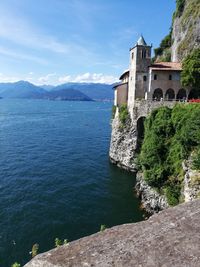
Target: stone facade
121,94
159,81
140,60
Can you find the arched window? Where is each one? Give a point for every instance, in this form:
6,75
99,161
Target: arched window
158,94
181,94
170,95
155,77
144,78
170,77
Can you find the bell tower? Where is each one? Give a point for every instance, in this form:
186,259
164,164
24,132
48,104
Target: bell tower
140,60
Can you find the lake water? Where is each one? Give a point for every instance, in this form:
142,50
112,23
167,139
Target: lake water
55,175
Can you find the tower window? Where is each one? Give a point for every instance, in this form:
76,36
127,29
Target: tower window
170,77
144,78
132,55
155,77
143,53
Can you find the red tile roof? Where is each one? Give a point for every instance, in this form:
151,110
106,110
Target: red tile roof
166,66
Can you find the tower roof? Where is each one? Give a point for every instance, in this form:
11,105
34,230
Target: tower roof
141,41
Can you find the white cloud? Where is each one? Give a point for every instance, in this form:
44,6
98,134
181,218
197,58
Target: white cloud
89,78
54,79
64,79
47,78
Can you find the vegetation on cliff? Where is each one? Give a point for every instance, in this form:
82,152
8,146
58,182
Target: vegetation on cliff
123,114
184,29
188,21
190,75
180,5
171,135
163,52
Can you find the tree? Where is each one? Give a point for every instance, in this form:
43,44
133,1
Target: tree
190,75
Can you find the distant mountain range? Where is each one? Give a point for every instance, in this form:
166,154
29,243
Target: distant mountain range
68,91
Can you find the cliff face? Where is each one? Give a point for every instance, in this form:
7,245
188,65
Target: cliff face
123,152
151,200
170,238
186,30
123,144
165,155
191,189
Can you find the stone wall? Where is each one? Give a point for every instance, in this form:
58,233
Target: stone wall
143,108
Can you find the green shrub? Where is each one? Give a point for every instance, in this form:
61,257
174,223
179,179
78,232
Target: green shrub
170,137
190,75
163,52
173,193
196,159
180,4
16,265
58,242
113,111
65,242
123,114
102,228
34,250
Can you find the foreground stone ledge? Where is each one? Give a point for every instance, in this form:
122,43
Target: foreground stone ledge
169,238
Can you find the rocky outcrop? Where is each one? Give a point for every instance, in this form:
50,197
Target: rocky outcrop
124,138
124,149
170,238
123,144
123,153
151,200
191,189
186,31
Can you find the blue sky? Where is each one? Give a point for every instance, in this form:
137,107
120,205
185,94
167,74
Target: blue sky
57,41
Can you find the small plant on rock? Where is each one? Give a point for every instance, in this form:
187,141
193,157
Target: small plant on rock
34,250
102,228
123,114
58,242
16,265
